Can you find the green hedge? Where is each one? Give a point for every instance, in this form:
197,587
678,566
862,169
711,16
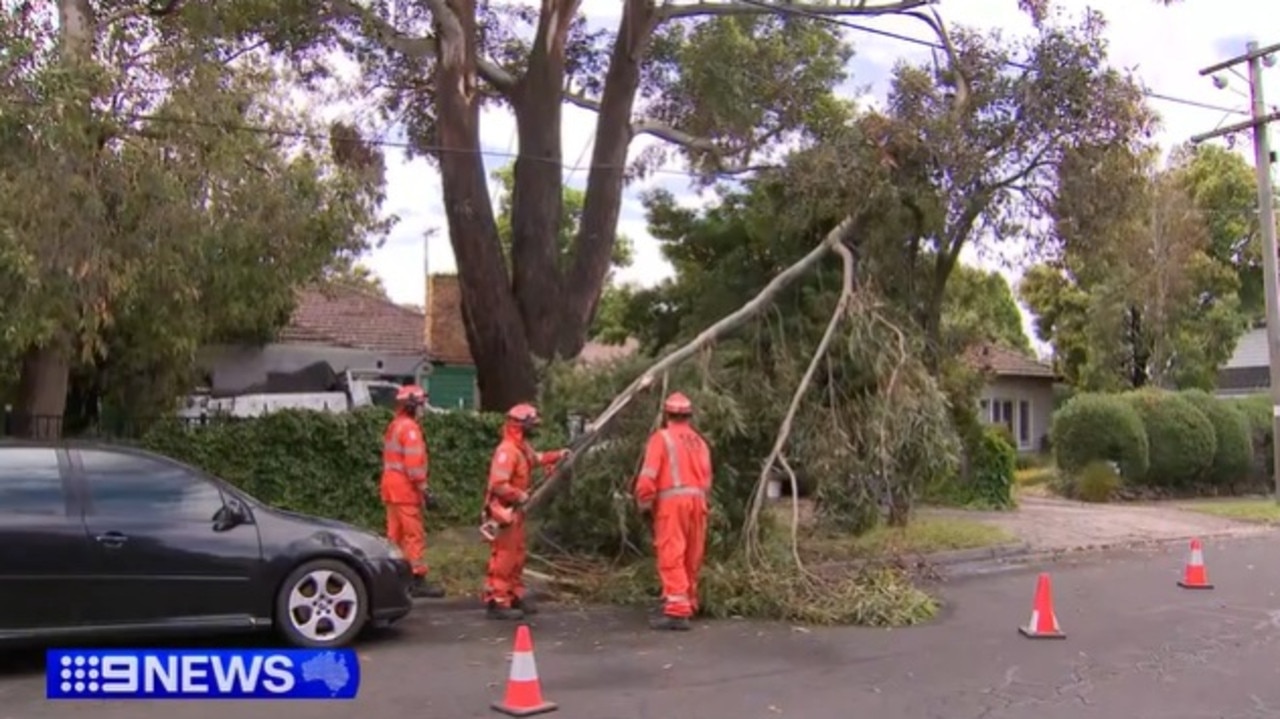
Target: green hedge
329,464
1258,416
1093,427
1234,453
994,464
1181,439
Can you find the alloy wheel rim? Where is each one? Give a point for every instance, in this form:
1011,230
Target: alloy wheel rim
323,605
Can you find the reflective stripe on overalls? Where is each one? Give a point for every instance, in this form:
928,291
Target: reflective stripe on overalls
394,454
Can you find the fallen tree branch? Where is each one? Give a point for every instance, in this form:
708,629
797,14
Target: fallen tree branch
784,430
834,241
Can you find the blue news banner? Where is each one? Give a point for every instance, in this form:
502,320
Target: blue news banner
201,674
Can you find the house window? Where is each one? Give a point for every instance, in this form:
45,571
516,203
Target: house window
984,411
1024,424
1002,413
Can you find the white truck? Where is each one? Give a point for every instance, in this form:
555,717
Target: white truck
355,388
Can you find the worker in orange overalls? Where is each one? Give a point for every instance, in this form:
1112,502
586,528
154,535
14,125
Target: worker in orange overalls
404,485
510,481
673,486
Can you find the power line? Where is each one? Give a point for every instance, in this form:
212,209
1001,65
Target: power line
380,141
830,20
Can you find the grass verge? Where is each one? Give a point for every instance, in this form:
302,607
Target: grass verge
1263,510
925,535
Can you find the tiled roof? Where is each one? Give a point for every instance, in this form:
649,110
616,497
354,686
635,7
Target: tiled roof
447,337
1005,362
352,317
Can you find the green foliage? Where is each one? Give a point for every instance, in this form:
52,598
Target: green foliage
1259,417
1182,442
1097,482
134,235
1234,451
1156,271
330,464
1093,427
980,307
991,484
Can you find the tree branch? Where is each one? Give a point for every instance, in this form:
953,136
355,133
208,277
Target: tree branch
420,47
706,8
706,338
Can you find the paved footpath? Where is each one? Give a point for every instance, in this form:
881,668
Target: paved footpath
1138,647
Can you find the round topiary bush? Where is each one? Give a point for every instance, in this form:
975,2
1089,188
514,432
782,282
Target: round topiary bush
1100,427
1180,438
1234,450
1258,415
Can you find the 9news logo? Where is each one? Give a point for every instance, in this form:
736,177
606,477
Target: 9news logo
201,674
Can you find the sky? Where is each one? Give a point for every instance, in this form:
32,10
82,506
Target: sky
1164,46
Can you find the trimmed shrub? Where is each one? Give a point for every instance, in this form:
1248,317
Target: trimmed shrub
994,463
1234,453
1097,482
1099,426
1180,437
1258,415
329,464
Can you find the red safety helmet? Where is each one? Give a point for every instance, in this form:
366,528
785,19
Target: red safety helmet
411,394
524,415
677,404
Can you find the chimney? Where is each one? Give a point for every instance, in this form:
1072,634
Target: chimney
426,288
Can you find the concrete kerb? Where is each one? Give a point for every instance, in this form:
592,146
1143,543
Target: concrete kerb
1090,551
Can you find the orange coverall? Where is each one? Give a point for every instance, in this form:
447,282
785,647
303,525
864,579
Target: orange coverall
510,478
674,483
404,482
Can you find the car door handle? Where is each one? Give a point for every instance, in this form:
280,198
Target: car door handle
112,539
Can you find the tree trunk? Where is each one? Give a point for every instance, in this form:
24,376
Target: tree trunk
46,370
496,336
593,248
42,390
537,201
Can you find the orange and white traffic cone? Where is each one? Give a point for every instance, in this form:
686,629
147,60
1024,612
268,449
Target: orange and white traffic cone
1044,622
524,691
1194,575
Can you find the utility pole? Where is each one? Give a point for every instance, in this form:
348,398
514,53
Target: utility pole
1258,121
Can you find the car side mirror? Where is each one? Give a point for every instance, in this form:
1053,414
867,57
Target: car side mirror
228,517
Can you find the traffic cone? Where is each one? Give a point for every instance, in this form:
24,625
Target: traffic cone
1195,576
524,691
1044,622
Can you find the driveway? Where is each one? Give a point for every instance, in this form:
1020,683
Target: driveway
1055,524
1137,646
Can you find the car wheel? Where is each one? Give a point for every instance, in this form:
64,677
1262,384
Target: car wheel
322,603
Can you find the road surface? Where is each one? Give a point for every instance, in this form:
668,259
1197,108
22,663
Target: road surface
1137,647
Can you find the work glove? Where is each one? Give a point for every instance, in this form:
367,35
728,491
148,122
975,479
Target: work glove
429,501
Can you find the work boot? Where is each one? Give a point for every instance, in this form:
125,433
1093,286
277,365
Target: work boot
422,589
669,624
526,605
497,611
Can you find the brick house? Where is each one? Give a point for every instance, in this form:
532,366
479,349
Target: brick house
348,328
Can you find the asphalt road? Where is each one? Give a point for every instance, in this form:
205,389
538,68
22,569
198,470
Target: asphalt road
1137,646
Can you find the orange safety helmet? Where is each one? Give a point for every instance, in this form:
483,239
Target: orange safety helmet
678,405
411,395
524,415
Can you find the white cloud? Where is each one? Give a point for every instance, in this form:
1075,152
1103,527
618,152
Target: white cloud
1166,47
